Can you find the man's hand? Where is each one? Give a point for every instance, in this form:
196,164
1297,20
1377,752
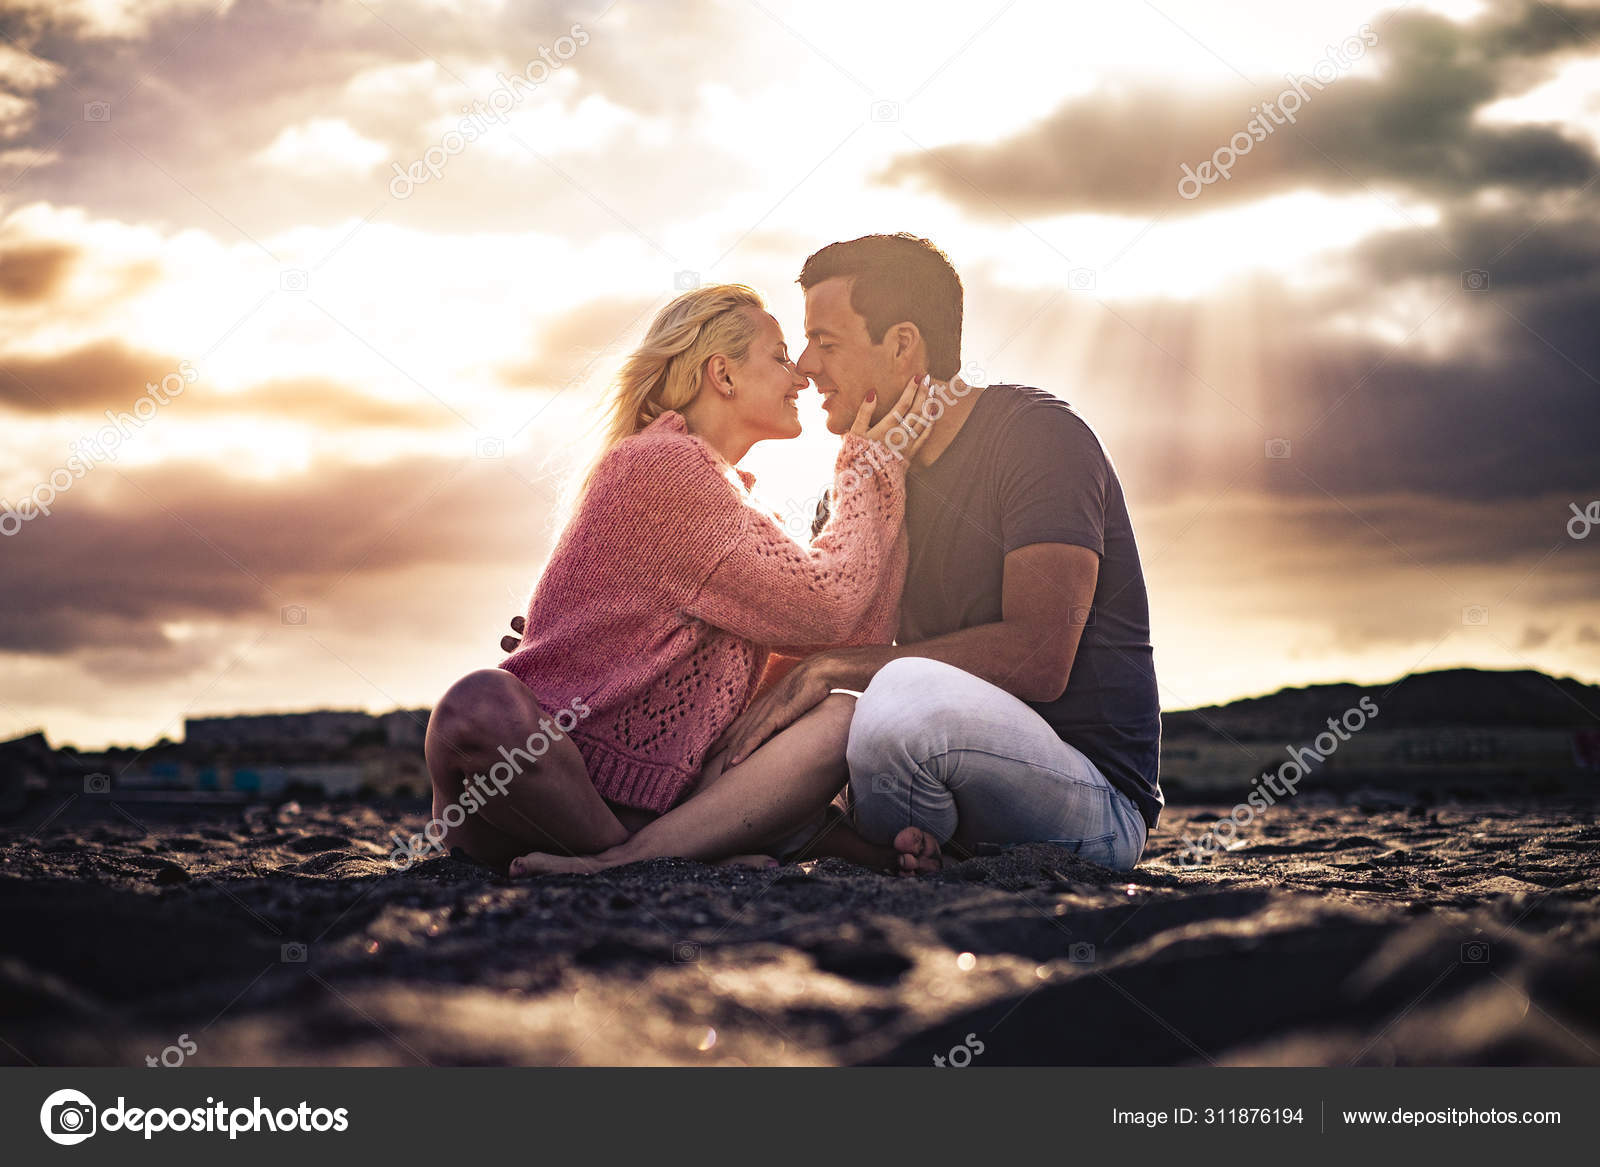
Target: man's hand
799,692
512,643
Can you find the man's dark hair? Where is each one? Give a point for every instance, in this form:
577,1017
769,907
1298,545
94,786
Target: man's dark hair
895,278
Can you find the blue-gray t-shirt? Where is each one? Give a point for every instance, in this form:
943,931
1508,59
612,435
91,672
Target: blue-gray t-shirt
1025,468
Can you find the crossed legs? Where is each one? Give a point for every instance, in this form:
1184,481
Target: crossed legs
773,793
550,818
932,754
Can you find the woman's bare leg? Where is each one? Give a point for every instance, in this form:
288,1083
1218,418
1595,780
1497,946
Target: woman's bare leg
747,808
548,803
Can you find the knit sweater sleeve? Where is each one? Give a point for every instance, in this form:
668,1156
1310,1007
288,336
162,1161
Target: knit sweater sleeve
773,590
881,621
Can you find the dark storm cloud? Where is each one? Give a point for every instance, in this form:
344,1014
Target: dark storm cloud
1524,248
1507,409
1491,397
120,556
1480,382
1414,126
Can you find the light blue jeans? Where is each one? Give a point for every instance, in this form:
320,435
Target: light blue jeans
935,747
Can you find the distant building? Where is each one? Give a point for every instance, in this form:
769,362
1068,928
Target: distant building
326,728
405,728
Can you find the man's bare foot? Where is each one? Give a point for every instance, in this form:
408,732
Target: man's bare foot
747,861
918,852
540,863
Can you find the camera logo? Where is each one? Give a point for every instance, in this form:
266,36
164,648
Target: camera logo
1081,279
292,615
685,281
68,1117
1081,953
1475,614
885,111
97,111
1475,280
1278,448
97,784
292,953
1474,952
685,952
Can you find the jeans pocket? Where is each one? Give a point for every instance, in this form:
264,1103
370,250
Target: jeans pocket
1101,849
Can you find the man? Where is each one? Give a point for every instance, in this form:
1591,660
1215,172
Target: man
1019,703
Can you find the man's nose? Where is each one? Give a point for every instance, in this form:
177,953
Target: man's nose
808,366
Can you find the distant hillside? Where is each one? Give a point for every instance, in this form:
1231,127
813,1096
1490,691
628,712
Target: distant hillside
1478,697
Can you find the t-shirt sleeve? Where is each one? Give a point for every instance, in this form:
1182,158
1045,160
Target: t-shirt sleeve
1053,482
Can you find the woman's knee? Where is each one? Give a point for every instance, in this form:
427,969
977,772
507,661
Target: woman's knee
477,707
489,723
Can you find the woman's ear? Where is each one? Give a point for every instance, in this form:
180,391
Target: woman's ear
717,375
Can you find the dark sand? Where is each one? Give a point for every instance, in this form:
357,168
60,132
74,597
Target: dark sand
1367,931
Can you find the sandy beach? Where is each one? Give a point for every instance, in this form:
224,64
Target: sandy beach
1370,928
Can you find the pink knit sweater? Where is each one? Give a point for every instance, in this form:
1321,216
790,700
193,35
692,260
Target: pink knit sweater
668,590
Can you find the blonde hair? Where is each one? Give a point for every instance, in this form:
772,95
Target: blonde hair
666,370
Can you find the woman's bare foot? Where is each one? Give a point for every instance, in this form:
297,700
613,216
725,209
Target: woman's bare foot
918,852
540,863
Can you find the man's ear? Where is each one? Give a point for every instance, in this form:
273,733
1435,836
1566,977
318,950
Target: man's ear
905,340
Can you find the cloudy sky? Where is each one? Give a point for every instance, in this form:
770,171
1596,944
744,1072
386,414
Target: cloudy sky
1349,372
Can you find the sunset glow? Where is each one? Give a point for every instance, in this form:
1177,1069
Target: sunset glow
395,376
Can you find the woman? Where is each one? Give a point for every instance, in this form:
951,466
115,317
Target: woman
653,621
